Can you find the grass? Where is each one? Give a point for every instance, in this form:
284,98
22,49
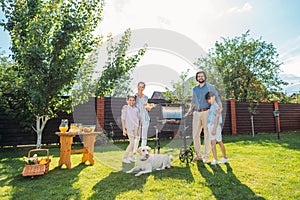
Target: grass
260,168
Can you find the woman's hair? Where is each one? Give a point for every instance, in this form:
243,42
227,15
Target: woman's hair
131,96
201,72
141,83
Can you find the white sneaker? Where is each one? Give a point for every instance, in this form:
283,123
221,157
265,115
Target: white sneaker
126,160
214,162
132,159
205,160
224,160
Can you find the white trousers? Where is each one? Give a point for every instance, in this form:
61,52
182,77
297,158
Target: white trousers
144,133
132,147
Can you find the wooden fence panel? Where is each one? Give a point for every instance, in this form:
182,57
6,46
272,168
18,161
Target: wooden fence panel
226,129
112,116
263,120
289,117
12,134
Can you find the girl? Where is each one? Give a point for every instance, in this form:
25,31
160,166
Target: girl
131,127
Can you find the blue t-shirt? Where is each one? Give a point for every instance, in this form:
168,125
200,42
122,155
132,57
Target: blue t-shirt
213,113
199,93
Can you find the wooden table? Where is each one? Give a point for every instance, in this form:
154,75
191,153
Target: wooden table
66,140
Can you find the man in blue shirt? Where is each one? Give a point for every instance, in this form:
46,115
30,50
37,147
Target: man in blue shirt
199,108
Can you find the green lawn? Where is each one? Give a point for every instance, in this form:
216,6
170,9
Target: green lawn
259,168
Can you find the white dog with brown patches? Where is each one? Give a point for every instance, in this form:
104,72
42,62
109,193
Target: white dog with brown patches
148,162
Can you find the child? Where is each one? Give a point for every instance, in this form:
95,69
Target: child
214,128
131,127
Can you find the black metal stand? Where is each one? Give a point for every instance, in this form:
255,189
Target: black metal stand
186,153
156,141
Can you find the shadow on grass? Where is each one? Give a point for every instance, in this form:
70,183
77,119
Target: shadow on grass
225,185
49,184
108,189
118,182
175,173
45,186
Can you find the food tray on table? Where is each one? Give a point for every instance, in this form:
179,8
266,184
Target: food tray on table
149,105
37,169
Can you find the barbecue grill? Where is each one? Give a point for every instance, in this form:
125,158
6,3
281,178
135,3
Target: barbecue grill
171,120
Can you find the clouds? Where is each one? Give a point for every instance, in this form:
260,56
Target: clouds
203,21
292,65
206,22
245,8
290,56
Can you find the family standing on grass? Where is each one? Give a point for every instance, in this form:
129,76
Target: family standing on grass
137,103
206,107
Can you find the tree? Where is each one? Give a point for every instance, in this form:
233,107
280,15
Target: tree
252,109
49,42
117,65
181,90
6,74
122,87
249,68
114,79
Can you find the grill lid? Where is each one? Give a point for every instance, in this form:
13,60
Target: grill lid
173,111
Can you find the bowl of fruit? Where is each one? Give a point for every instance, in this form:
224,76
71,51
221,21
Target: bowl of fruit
88,128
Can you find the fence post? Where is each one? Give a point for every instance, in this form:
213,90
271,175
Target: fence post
276,107
233,116
100,111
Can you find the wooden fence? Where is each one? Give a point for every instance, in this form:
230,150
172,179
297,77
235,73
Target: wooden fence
12,134
105,113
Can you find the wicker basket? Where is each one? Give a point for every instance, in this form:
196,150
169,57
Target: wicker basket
37,169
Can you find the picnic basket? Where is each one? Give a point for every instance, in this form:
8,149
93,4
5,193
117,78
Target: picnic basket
37,169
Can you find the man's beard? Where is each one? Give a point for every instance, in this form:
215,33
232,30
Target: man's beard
201,81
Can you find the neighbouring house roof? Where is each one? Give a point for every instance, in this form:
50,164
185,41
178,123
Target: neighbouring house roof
157,95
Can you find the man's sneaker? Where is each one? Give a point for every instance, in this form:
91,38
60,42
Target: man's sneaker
197,158
132,159
214,162
205,160
224,160
126,160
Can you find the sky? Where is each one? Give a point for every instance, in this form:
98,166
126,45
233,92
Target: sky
178,31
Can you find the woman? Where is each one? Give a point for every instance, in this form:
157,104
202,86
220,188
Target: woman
142,99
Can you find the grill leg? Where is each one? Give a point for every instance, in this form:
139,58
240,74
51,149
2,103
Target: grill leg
156,141
158,144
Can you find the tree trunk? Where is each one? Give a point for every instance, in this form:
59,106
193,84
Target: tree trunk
39,138
252,125
41,121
